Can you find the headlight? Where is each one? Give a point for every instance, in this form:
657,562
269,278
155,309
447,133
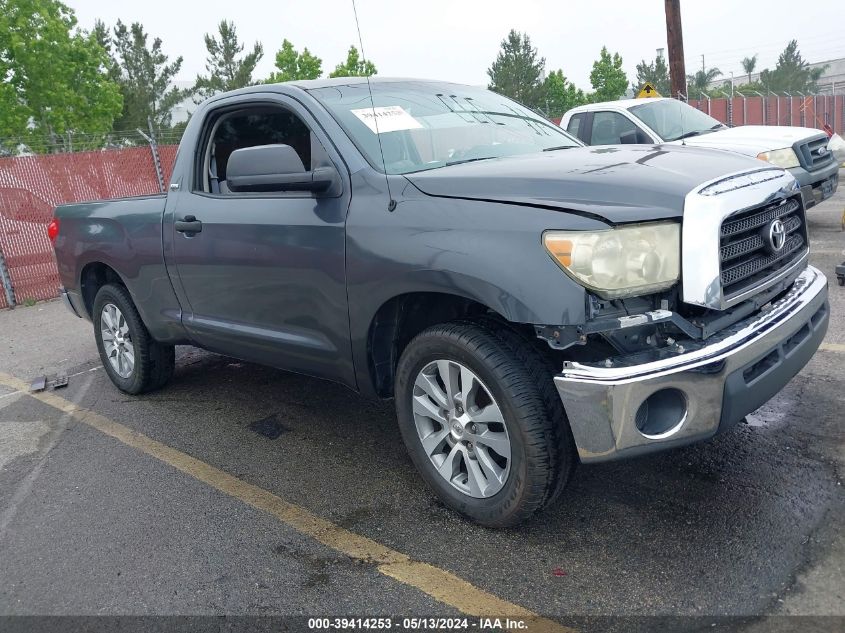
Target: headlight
623,262
784,158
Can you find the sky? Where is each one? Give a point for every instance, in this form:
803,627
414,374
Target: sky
457,40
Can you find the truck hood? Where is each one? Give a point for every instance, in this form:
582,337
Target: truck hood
615,183
753,139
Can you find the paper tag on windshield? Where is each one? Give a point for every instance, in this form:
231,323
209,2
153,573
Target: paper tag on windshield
388,119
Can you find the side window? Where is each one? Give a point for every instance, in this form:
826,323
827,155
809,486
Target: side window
611,128
575,126
248,127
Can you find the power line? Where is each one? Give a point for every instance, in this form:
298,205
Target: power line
802,42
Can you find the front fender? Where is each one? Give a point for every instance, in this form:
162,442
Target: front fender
490,253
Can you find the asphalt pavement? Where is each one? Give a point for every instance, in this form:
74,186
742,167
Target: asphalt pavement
244,490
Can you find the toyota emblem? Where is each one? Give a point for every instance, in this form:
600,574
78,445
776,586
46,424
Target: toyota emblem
776,236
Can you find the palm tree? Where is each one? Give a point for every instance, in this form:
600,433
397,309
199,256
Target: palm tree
698,82
749,64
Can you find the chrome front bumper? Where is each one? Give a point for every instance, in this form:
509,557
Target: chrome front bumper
712,385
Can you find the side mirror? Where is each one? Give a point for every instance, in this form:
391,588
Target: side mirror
275,168
634,137
628,138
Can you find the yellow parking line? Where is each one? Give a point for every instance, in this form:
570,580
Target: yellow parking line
437,583
832,347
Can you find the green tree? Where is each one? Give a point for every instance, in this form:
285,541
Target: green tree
560,95
14,114
173,134
518,70
698,84
738,89
749,64
292,65
55,77
746,89
354,66
227,68
791,73
145,79
103,35
656,73
608,79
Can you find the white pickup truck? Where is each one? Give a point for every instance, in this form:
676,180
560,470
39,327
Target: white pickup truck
802,151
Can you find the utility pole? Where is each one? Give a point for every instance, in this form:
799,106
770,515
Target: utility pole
675,42
702,63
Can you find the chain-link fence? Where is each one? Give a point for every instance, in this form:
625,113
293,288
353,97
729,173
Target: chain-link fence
31,185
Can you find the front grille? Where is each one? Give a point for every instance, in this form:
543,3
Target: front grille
745,257
808,153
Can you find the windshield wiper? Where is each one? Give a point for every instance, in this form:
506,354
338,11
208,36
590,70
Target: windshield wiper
466,160
554,149
688,134
698,132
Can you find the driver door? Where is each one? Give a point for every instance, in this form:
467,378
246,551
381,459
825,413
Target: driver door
613,128
264,278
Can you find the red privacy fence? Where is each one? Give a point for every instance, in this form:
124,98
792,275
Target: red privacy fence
31,186
798,110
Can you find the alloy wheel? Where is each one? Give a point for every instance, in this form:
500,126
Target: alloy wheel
117,340
461,428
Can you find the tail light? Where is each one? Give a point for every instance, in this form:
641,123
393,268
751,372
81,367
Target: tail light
53,230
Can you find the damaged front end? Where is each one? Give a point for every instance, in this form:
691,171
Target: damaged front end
645,373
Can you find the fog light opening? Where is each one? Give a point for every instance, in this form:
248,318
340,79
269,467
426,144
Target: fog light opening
662,414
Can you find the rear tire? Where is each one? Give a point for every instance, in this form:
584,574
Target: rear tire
528,471
133,360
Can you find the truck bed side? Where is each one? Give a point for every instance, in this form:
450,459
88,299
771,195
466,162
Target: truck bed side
121,237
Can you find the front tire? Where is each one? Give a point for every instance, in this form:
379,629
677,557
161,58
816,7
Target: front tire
476,425
134,361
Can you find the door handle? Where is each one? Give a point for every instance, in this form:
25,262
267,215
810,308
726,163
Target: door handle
188,224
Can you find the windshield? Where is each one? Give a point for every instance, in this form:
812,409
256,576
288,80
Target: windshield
426,125
673,119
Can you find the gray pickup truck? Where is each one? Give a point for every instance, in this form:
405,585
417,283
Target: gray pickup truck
528,302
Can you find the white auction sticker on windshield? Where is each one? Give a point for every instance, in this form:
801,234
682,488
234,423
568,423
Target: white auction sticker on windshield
388,119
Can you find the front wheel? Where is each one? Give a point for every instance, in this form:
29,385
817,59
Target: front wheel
476,425
134,361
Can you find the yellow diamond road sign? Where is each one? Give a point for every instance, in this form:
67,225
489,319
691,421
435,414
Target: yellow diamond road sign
648,90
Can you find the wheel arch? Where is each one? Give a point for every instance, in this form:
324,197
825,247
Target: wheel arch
94,276
402,317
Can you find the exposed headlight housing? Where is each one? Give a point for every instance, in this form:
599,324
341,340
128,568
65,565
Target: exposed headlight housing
785,157
626,261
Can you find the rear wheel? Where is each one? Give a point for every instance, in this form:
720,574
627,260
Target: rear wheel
476,425
133,360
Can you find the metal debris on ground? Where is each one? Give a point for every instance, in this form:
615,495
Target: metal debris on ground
58,382
43,382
